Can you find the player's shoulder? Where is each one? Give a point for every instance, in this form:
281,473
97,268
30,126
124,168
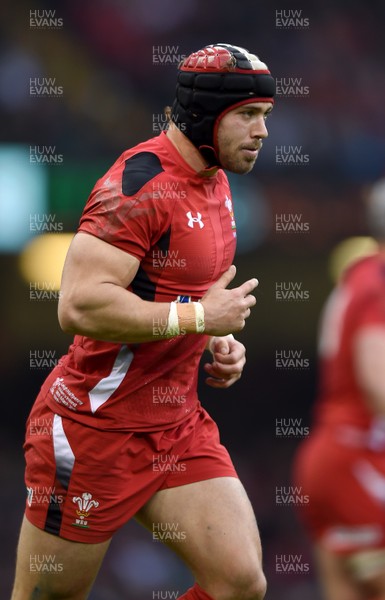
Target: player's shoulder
369,270
365,280
139,165
139,169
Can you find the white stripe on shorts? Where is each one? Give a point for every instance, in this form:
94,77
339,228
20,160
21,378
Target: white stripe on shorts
64,457
104,389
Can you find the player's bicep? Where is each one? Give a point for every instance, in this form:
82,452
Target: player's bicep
90,263
369,362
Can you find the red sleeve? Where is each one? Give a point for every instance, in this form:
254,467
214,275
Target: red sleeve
370,310
132,223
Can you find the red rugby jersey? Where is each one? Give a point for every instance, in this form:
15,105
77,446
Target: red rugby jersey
357,302
181,227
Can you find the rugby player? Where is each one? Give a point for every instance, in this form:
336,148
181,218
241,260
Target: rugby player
341,466
145,290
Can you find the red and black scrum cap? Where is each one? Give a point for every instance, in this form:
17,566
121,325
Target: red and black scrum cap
213,81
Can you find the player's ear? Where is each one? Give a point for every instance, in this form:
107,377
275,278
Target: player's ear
167,113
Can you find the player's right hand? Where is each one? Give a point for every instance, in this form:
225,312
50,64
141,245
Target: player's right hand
227,310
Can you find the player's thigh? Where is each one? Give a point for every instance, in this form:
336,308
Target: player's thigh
211,525
335,578
51,568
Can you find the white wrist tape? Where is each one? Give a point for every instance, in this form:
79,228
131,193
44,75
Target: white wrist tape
173,328
184,318
199,317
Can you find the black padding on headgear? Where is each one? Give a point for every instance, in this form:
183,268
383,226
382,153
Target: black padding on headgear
203,94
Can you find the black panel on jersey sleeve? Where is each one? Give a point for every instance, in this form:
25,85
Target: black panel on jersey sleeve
139,169
164,241
142,285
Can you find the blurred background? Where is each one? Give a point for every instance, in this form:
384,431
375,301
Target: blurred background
81,81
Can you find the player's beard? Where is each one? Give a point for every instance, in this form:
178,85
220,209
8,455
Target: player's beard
235,160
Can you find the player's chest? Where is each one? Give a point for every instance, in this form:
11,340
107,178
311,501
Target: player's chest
201,239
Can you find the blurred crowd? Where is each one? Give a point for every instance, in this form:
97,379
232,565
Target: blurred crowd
104,54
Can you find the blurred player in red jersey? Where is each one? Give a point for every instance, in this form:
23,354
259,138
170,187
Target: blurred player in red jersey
144,290
341,466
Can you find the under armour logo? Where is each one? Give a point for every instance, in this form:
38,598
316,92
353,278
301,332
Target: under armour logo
192,220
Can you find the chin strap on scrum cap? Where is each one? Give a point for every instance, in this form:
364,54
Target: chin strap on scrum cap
209,82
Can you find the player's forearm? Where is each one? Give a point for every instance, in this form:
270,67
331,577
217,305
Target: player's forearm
113,314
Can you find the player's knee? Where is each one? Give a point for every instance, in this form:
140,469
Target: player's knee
367,569
255,587
247,584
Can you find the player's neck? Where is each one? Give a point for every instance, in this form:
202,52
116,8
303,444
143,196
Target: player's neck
189,152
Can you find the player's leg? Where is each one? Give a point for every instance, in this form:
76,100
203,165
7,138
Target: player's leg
51,568
367,568
220,541
336,580
375,587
